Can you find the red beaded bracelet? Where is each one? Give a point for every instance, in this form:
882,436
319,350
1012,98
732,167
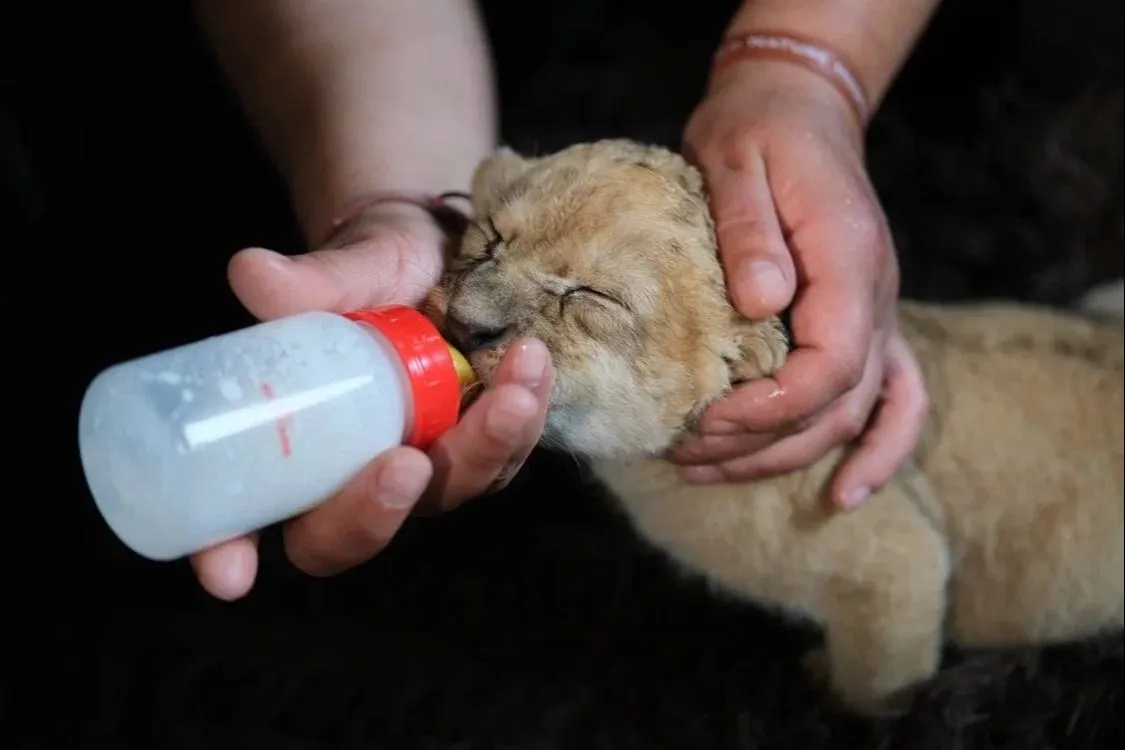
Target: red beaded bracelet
787,47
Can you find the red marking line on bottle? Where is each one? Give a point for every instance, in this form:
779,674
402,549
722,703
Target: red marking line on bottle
282,424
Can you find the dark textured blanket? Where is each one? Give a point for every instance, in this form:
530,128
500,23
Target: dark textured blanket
533,619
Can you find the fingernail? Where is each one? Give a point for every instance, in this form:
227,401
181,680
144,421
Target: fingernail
769,283
854,497
701,474
395,487
531,364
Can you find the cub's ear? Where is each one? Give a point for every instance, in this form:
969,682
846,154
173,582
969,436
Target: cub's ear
494,176
670,164
676,168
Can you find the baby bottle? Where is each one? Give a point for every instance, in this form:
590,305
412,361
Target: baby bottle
208,441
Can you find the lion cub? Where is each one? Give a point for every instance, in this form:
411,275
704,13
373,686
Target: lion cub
1007,527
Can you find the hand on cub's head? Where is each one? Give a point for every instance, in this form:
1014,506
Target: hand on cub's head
800,227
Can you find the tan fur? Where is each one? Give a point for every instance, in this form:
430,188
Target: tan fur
1006,528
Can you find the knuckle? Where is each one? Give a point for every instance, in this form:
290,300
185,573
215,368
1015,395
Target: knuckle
851,426
863,218
867,232
852,422
736,148
802,424
729,147
874,256
310,560
740,470
848,373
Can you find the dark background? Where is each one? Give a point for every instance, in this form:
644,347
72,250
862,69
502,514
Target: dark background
532,619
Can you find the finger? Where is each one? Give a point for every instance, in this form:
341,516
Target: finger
715,449
392,267
812,378
841,252
831,321
893,433
227,571
788,454
756,259
841,423
357,523
498,432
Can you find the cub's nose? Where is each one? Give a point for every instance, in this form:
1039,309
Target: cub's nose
469,336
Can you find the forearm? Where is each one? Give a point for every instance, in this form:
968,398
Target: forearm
351,96
874,36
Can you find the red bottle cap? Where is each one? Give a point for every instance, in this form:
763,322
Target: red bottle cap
434,383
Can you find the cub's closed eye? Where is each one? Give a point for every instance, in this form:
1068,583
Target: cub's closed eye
588,290
597,313
493,241
492,249
493,244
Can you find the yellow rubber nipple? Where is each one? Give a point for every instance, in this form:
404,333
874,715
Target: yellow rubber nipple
464,370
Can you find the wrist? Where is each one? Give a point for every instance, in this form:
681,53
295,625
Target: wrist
871,37
336,179
351,98
784,62
767,84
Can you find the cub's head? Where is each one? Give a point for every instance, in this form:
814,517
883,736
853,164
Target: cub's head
606,253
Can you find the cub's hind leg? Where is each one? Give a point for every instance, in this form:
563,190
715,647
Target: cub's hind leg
884,617
874,578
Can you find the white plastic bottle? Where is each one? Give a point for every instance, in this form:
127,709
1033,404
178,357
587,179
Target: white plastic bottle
205,442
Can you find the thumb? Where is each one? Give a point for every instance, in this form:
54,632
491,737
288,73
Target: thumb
389,267
759,269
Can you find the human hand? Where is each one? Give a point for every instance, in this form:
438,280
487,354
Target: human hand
389,254
799,223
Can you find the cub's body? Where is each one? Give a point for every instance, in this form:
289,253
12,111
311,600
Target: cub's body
1007,527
